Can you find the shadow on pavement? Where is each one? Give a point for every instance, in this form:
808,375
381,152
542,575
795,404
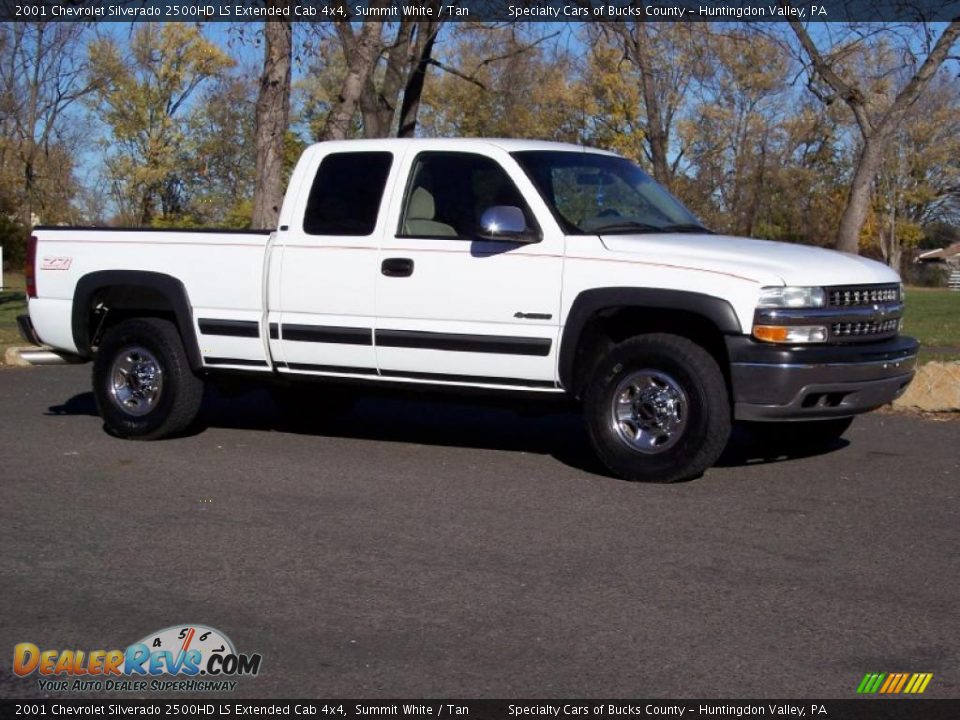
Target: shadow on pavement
532,425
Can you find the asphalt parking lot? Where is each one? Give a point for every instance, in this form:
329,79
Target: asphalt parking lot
433,549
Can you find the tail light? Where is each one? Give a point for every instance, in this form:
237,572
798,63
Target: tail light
30,271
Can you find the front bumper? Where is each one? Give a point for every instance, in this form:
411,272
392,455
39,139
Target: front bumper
775,382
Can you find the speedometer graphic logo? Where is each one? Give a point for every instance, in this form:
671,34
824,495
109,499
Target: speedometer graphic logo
198,642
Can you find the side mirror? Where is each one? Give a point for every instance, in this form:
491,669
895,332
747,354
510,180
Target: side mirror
505,222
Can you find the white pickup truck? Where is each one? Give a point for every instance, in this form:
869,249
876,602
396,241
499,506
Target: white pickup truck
500,264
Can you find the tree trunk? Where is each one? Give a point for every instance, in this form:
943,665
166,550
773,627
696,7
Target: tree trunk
410,108
362,54
272,121
656,135
858,200
379,107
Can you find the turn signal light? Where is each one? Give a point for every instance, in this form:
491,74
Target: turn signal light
790,333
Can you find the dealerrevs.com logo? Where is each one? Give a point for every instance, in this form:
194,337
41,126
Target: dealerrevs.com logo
184,658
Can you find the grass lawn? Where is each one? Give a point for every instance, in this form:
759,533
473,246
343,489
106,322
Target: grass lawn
12,303
933,317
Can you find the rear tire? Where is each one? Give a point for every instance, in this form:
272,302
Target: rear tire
142,381
657,409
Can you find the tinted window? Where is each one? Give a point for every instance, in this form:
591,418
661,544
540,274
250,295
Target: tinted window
346,193
448,192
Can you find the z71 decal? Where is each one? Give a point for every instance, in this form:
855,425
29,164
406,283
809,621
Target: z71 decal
56,263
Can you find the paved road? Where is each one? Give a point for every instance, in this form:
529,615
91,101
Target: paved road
442,550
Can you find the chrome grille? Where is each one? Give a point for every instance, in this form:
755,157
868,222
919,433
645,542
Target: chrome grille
864,312
856,295
864,329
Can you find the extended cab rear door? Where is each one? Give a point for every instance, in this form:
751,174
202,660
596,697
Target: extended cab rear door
324,265
452,307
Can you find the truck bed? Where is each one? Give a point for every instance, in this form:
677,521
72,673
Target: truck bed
221,270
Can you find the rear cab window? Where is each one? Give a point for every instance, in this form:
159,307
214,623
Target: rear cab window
346,194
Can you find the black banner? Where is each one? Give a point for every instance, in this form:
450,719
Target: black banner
873,709
482,10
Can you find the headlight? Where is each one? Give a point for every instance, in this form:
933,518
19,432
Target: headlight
792,297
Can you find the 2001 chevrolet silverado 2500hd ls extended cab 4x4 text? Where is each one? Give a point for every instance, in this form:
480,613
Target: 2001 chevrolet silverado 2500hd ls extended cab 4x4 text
501,264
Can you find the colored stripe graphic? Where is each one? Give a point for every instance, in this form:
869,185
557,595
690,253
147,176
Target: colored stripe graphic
894,683
900,682
919,682
875,682
891,680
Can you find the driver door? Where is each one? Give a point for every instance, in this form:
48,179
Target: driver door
452,307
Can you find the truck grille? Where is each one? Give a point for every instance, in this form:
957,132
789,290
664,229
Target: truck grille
864,312
864,329
853,296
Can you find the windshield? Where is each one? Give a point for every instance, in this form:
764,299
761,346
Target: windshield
592,194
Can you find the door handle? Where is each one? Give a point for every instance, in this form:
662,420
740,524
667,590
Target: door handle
397,267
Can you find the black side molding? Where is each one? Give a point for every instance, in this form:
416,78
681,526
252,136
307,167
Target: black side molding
328,334
497,344
234,361
587,304
230,328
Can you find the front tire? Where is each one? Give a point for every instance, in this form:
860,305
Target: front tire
657,409
142,381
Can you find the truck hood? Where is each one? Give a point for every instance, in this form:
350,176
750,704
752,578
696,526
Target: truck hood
764,261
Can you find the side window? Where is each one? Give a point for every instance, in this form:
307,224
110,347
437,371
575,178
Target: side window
448,192
346,193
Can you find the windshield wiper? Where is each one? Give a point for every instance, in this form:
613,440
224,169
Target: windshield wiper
627,226
687,227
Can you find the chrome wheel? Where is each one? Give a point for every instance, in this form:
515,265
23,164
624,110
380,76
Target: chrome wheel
136,381
649,411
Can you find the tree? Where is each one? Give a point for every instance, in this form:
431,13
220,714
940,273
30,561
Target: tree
42,76
380,73
877,117
405,65
220,173
272,119
503,82
361,51
142,96
659,63
733,135
919,175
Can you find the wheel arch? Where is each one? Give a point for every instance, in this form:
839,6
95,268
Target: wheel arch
133,293
601,317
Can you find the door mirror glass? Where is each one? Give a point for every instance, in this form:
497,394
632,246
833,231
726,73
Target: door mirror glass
505,222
